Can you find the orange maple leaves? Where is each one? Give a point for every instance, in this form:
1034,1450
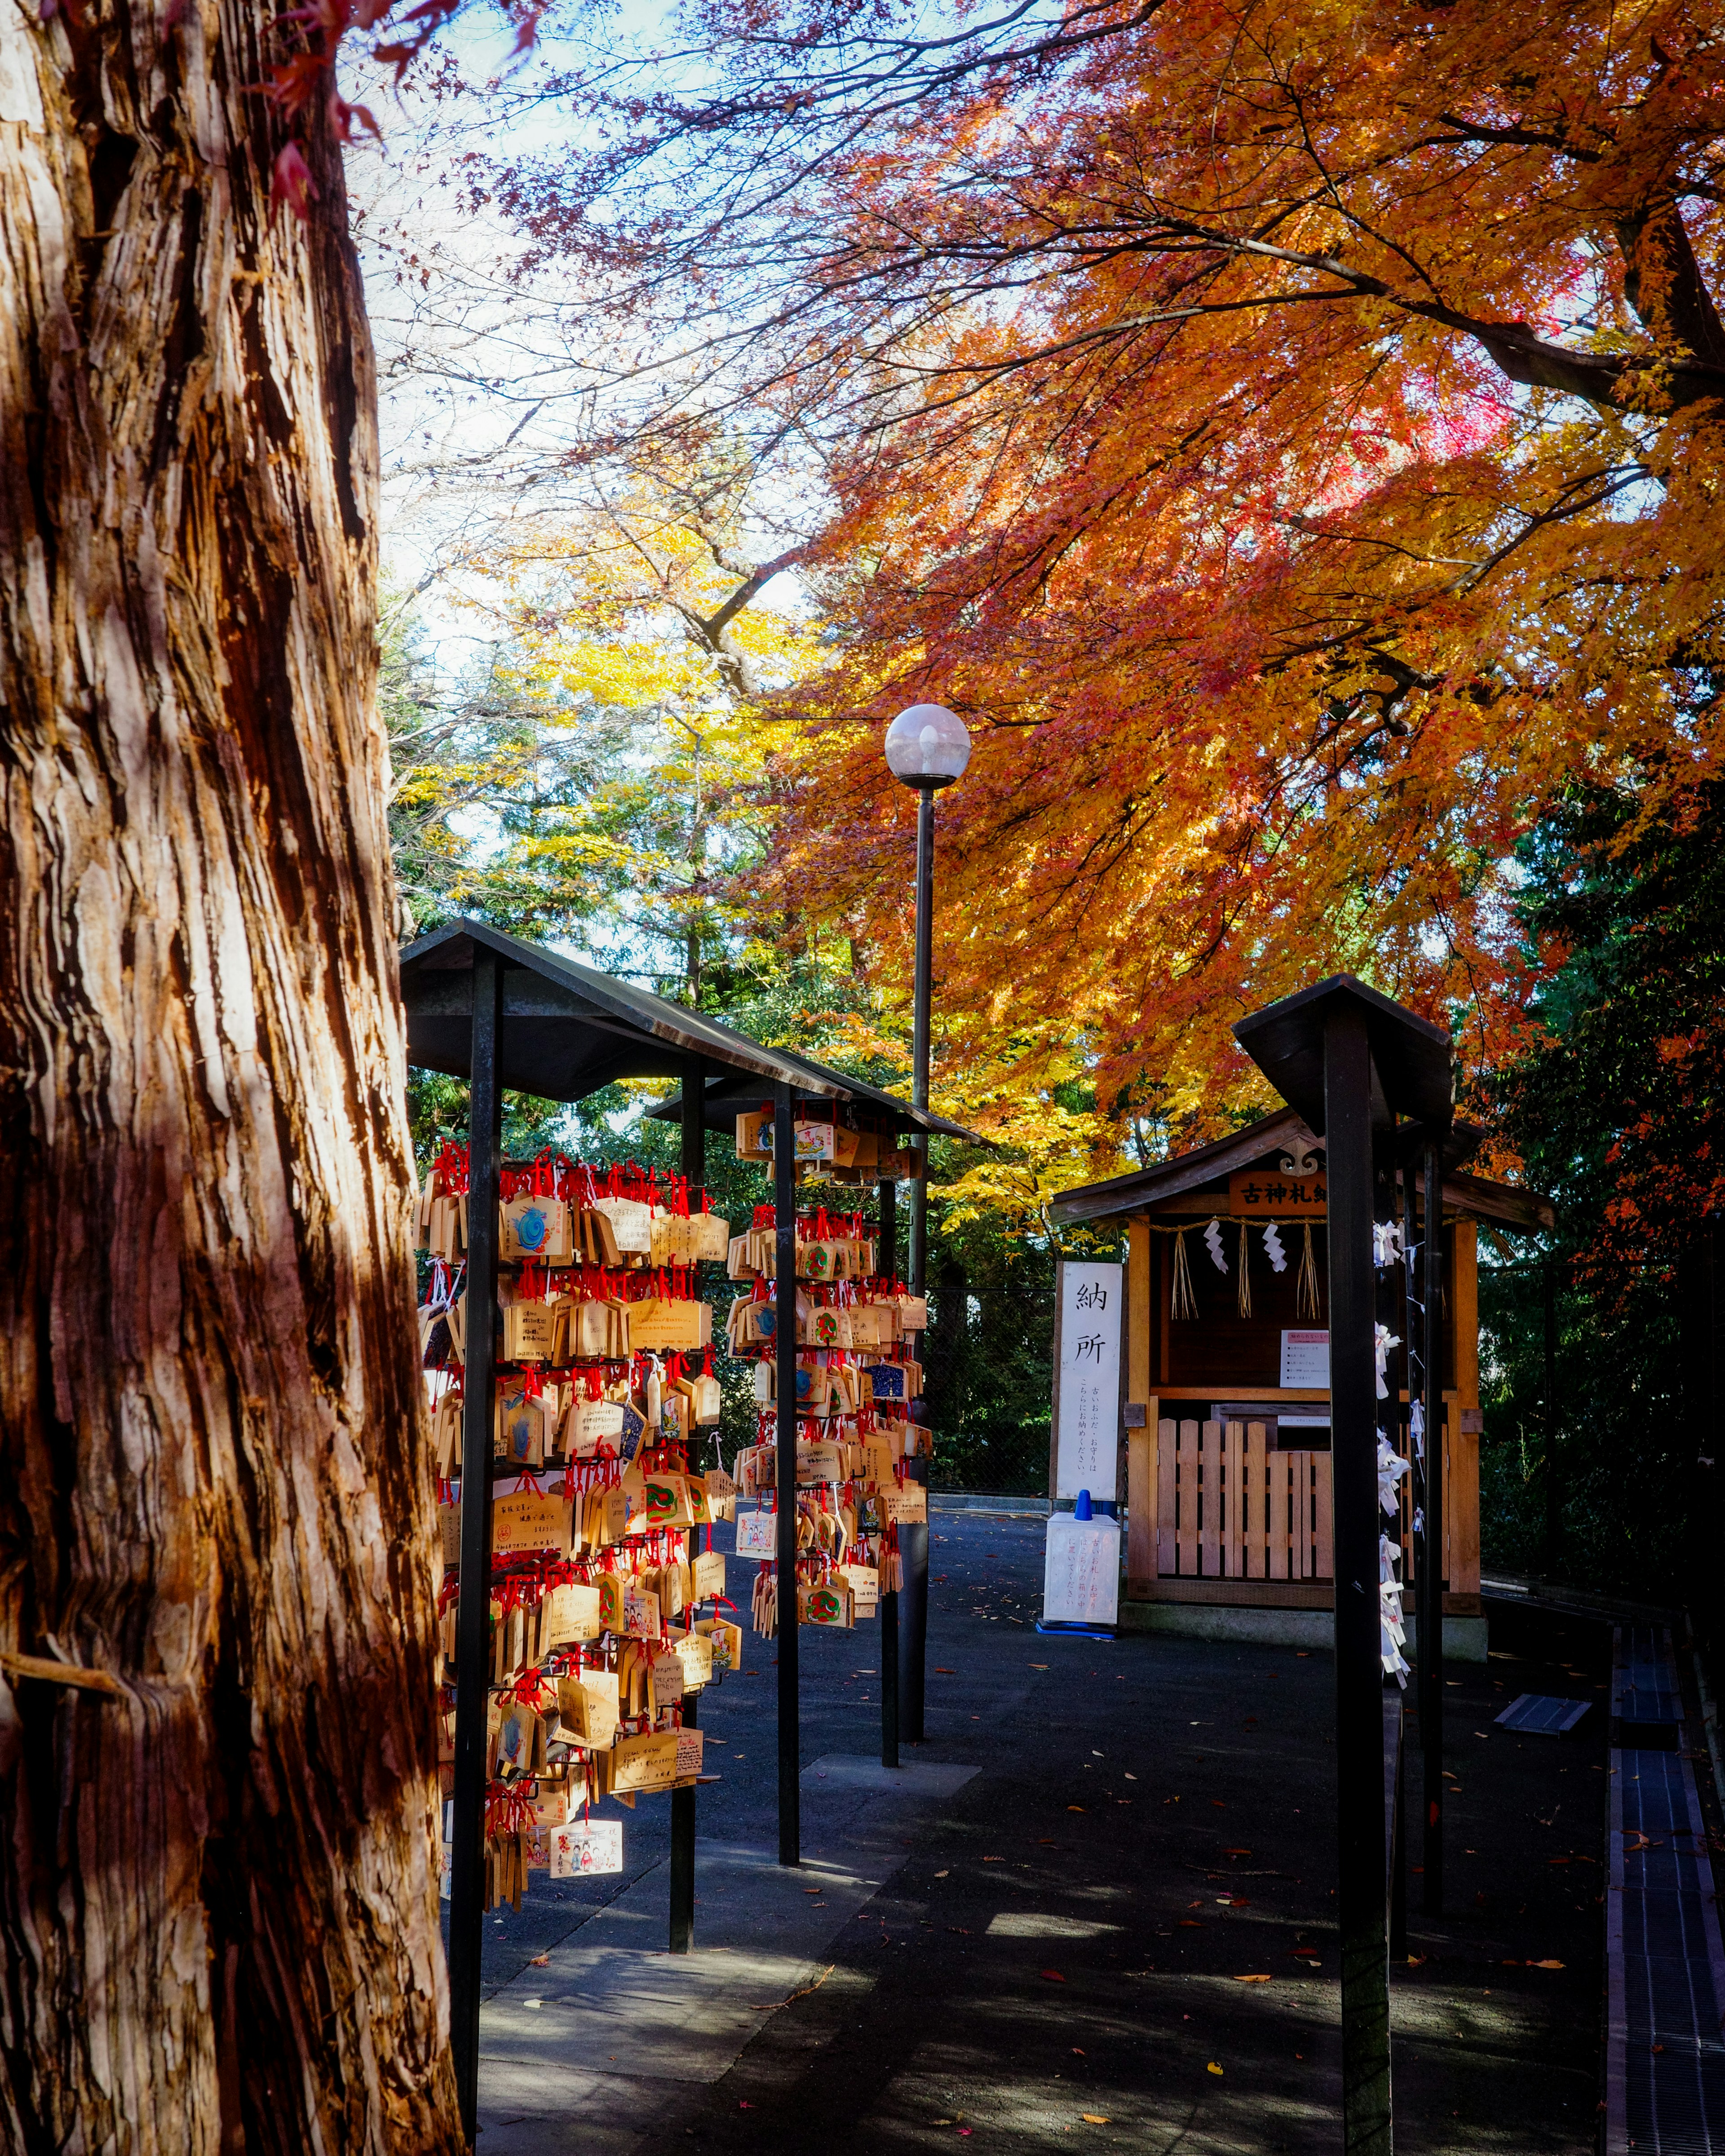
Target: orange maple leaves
1299,461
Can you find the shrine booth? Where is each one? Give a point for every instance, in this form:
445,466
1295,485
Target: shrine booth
485,1006
1225,1385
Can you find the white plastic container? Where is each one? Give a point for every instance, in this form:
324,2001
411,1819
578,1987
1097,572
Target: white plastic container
1081,1582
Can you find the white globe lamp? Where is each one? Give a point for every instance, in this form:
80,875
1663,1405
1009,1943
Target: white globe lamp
927,746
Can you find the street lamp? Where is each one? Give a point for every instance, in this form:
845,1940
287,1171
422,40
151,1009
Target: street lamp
927,746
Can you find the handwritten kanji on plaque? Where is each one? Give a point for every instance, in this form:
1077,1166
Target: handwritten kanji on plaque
1086,1406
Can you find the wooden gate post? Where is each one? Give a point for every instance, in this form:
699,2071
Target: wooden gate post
1428,1555
1362,1857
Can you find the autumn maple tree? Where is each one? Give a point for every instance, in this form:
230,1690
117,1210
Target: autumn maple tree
1292,439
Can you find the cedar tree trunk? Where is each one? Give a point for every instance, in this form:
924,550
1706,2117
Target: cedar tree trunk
218,1890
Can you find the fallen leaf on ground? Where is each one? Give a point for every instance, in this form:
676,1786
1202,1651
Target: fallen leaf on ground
1093,2118
1254,1978
541,1961
1545,1964
1076,1808
1053,1976
945,1673
1416,1961
1213,2068
1219,1804
1038,1666
1236,1852
993,1860
1192,1922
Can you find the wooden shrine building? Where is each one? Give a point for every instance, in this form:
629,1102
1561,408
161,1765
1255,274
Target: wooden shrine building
1226,1384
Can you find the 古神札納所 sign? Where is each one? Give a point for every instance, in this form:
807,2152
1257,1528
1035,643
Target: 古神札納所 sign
1086,1402
1285,1197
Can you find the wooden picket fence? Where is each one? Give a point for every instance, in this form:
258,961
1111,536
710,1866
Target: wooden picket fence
1228,1507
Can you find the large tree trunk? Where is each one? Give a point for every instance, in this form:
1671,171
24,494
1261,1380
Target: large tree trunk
217,1896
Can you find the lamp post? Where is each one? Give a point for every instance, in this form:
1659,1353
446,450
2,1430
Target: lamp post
928,747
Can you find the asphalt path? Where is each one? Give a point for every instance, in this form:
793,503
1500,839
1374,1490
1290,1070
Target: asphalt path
1121,1926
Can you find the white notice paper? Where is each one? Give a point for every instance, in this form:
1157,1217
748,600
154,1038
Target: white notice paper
1087,1384
1081,1581
1306,1361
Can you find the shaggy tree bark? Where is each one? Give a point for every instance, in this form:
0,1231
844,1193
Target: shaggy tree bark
218,1893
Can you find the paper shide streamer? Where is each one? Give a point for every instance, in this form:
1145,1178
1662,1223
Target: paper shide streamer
1391,1468
1384,1340
1273,1250
1392,1635
1213,1244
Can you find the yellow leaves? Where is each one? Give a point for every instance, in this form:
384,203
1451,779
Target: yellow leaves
615,764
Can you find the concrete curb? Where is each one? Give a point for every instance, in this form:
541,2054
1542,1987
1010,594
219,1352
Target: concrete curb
1465,1638
974,1500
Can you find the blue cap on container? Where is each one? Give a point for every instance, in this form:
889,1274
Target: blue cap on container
1082,1510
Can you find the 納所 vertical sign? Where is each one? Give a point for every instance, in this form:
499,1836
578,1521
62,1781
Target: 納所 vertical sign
1087,1404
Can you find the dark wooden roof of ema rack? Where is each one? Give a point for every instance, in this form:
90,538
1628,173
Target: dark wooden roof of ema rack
569,1029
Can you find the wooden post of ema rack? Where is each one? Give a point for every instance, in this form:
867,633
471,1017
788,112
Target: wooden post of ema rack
784,1220
682,1822
473,1607
887,1265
